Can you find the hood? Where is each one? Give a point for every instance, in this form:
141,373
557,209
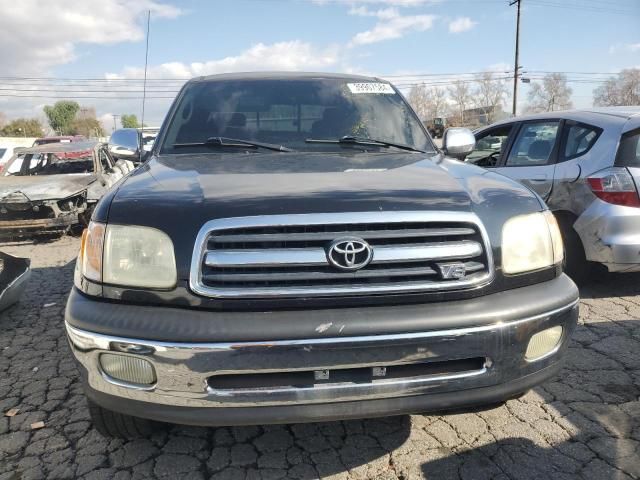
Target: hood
212,186
44,187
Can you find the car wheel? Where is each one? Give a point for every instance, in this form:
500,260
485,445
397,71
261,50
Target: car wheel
575,261
113,424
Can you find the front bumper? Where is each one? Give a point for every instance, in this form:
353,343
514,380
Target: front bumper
39,226
187,388
610,235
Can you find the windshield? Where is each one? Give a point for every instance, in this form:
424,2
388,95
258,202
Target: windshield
50,164
290,112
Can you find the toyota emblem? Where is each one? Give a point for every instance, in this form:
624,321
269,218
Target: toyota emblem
349,253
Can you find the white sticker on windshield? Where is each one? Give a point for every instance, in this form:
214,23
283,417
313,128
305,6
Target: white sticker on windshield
371,87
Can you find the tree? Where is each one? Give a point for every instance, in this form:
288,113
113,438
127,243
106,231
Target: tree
88,127
550,95
461,94
490,94
86,124
418,100
621,90
428,103
3,119
22,127
61,115
129,121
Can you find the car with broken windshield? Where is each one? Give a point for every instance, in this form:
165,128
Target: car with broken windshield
50,188
295,248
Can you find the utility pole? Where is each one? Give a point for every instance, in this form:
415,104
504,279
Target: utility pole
516,67
114,121
144,85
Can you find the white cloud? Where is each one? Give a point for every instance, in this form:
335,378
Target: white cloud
38,35
624,47
383,13
293,55
461,24
398,3
389,28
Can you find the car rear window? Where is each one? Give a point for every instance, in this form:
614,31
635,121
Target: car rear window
579,138
629,149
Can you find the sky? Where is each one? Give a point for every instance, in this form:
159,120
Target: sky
97,48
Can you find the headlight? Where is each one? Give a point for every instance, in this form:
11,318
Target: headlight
91,248
129,256
531,242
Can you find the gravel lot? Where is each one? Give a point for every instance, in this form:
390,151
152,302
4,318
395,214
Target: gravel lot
583,424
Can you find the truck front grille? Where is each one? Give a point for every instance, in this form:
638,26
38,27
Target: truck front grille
289,255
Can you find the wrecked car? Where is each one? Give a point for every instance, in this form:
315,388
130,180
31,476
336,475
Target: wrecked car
295,248
586,165
51,188
59,139
14,274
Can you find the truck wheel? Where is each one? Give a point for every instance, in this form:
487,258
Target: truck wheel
113,424
575,261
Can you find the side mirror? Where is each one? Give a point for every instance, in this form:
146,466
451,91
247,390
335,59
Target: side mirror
125,144
458,142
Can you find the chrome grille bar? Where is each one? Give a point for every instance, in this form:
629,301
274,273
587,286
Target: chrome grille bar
273,257
285,255
369,234
321,275
279,257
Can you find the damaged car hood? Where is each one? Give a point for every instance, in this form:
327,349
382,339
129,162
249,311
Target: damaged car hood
45,187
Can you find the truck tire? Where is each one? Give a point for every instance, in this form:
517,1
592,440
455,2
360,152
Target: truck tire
113,424
575,262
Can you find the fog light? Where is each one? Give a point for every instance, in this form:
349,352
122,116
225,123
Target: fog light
128,369
543,343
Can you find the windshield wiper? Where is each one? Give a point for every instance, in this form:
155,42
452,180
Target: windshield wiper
233,143
351,140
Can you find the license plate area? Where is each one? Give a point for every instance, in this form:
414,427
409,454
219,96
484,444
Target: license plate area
305,379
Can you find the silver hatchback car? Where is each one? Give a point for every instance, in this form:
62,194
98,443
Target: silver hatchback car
586,165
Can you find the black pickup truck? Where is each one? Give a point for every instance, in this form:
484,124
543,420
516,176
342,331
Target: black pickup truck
295,248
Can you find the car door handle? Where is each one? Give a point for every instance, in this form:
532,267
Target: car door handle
539,178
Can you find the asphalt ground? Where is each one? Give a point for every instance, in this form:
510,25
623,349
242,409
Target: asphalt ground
584,423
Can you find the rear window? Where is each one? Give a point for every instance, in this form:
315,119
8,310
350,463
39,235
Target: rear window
629,149
579,138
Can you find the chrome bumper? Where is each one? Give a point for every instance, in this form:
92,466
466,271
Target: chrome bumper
184,369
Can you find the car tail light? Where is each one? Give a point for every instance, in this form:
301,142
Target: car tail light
615,185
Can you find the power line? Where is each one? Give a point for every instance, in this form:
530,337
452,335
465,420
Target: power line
581,7
72,82
73,97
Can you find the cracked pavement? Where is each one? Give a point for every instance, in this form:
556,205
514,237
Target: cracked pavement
585,423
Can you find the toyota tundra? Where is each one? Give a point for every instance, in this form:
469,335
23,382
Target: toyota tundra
295,248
